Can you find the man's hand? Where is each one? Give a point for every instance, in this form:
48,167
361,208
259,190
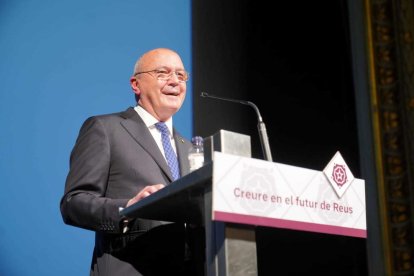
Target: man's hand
144,193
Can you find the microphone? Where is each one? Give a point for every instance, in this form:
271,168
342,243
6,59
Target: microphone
264,140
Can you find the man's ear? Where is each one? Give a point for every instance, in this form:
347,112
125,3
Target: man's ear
134,85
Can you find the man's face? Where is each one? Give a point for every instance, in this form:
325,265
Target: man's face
159,96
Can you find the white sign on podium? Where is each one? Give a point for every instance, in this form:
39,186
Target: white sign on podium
263,193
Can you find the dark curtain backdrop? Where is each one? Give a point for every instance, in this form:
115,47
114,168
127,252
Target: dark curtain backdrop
292,59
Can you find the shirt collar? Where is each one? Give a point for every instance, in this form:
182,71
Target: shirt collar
150,120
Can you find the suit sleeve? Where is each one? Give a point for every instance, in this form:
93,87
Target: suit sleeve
84,203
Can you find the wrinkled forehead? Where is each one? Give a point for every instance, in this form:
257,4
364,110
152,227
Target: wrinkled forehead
160,58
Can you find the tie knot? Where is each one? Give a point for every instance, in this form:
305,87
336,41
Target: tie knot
161,126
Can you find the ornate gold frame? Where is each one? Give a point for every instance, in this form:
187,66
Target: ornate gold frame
390,40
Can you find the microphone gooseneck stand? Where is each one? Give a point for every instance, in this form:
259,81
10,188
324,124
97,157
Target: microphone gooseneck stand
264,140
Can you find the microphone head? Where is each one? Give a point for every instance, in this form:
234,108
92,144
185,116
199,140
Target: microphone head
204,94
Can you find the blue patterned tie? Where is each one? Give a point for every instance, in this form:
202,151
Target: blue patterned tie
168,150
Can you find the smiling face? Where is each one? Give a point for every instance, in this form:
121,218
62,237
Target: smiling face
161,97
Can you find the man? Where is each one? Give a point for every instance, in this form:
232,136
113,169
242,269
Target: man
119,159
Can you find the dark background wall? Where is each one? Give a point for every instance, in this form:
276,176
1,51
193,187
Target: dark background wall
293,60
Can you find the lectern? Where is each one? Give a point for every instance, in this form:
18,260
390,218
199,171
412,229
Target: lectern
232,194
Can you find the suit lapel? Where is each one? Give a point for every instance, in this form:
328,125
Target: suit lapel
182,152
136,127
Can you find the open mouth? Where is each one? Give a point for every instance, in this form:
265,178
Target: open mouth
171,93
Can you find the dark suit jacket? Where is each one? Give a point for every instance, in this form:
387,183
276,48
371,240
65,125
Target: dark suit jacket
115,157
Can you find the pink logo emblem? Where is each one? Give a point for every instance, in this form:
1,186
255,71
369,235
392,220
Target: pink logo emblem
339,175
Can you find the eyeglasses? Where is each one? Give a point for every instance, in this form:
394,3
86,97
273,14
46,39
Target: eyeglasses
166,74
